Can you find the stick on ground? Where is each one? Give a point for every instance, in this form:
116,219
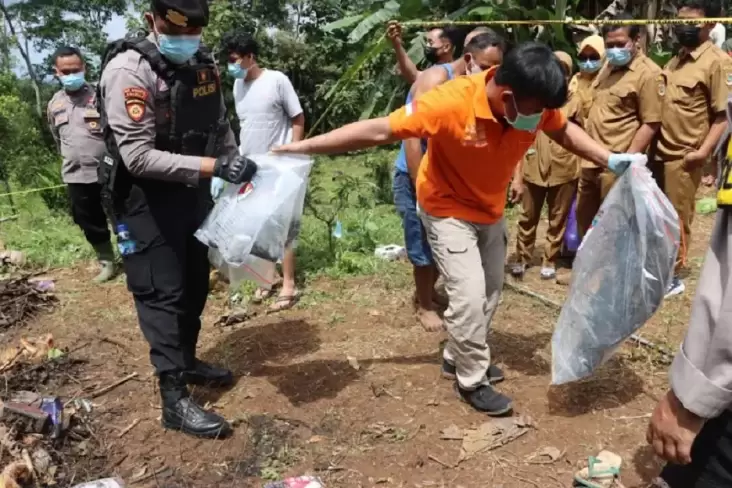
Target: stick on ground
128,428
114,385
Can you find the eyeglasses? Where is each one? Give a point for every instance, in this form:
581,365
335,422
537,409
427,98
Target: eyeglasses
592,57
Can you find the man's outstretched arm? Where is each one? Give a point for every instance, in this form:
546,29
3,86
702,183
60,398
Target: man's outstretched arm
351,137
420,118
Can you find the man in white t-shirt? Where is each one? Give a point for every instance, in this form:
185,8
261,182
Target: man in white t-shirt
718,35
270,115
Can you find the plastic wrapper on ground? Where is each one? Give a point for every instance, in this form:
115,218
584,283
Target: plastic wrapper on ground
249,225
619,276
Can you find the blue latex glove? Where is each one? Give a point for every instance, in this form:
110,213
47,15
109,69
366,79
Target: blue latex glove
217,186
618,163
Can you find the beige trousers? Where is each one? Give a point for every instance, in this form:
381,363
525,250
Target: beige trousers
471,259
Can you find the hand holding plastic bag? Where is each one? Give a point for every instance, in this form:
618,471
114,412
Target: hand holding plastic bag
255,218
619,276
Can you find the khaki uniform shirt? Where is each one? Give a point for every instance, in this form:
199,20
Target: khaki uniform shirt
547,163
697,86
581,86
623,99
74,123
129,86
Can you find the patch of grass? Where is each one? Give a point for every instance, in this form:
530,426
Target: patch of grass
48,238
365,213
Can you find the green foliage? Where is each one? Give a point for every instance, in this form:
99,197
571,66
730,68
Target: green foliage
52,23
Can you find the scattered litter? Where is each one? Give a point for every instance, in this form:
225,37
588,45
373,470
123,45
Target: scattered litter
105,483
43,284
299,482
353,362
546,455
16,474
338,230
55,410
488,436
706,206
391,252
83,404
316,438
452,433
602,471
12,258
34,350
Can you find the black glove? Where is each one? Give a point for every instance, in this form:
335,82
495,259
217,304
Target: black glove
235,169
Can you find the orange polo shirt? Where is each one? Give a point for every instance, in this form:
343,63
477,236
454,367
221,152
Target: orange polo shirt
470,155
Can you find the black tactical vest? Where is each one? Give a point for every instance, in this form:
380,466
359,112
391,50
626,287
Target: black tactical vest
190,118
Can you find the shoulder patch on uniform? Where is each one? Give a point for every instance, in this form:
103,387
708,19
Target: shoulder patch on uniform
661,83
136,93
728,78
135,110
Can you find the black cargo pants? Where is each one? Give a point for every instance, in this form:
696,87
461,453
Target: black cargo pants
711,458
88,212
168,275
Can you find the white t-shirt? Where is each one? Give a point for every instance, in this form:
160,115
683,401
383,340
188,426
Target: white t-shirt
718,35
265,107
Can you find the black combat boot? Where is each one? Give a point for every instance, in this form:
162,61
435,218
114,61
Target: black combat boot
204,374
181,413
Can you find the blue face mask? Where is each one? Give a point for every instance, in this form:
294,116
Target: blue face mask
618,56
527,123
73,81
178,49
236,71
590,65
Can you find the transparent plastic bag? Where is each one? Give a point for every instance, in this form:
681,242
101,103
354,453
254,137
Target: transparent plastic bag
619,277
258,270
254,219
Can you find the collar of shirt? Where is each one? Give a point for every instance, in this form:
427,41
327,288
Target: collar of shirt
698,51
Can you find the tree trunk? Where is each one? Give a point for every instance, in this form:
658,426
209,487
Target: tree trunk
26,57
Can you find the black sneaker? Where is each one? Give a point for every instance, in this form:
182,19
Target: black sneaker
487,400
495,374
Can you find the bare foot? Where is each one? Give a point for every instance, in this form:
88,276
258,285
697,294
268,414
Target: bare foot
431,322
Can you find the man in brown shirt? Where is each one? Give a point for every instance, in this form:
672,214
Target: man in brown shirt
75,125
550,174
625,112
698,81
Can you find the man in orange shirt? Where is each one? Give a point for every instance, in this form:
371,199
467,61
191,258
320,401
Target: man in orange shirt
479,128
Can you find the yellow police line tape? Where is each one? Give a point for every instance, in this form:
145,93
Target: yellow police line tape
32,190
424,23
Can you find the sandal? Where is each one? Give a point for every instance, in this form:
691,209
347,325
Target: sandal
262,294
284,302
601,471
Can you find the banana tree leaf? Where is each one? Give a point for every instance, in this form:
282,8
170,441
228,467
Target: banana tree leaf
409,9
342,23
462,11
485,12
363,58
390,105
378,18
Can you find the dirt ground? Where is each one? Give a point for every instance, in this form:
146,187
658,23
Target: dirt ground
347,387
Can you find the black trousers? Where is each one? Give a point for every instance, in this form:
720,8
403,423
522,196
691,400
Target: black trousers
168,275
711,458
88,212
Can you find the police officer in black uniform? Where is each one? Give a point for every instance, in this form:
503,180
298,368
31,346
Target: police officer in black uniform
167,134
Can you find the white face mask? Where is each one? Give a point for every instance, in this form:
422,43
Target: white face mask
472,68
